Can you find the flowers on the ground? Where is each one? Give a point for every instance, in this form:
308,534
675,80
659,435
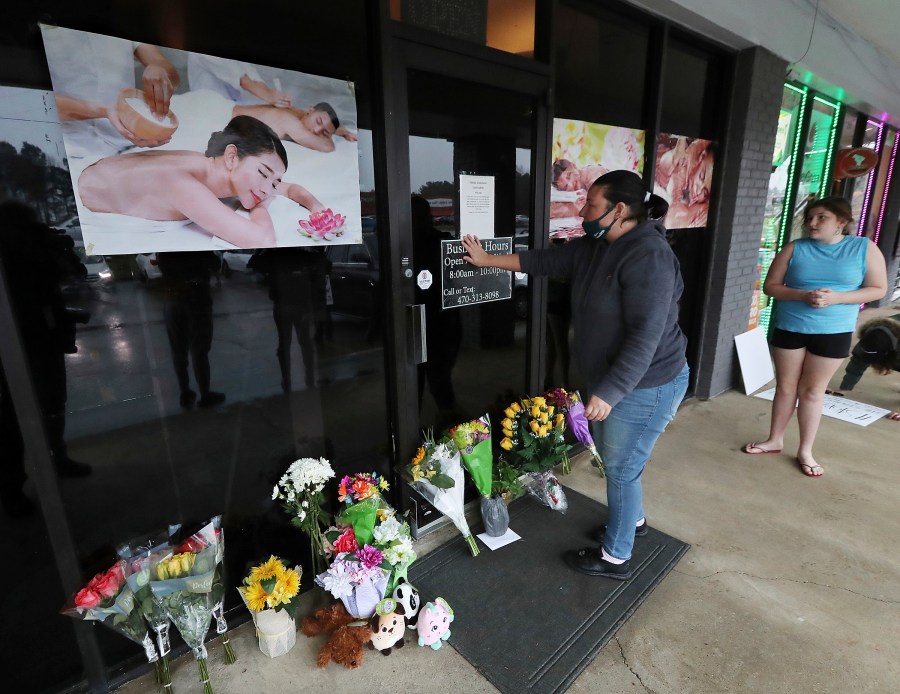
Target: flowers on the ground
473,439
271,586
533,433
356,583
448,497
570,403
300,491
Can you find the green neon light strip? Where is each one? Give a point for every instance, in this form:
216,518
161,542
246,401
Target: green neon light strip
788,214
826,171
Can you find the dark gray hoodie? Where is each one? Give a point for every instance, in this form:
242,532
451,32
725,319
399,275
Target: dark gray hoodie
624,308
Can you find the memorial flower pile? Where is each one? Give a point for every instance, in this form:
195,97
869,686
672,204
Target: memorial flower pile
533,432
300,491
357,580
571,404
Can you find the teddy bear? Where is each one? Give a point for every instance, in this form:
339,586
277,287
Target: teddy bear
434,623
387,626
406,594
345,647
325,620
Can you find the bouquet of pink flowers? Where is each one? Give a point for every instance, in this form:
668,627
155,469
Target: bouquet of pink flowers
108,599
361,494
571,405
357,580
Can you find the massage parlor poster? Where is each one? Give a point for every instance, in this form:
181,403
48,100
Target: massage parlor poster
150,180
581,153
684,171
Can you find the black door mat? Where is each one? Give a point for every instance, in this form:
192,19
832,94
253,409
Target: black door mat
526,621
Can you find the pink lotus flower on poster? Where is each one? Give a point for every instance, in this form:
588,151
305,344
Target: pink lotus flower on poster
323,225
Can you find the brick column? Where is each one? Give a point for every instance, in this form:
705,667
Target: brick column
745,167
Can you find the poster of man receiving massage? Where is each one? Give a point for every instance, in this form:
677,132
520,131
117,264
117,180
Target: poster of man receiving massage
176,151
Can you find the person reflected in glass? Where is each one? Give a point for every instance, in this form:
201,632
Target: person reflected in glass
819,282
187,312
443,328
36,261
628,345
243,162
298,292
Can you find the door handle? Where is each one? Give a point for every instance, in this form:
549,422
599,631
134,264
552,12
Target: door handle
415,333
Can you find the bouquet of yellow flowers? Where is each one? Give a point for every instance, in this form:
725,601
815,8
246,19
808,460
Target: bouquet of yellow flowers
533,431
270,592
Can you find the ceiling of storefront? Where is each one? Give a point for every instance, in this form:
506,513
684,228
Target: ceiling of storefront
877,21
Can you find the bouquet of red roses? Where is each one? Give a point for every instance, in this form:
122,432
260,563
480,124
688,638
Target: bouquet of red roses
108,599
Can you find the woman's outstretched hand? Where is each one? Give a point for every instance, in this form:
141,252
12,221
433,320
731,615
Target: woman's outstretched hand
475,254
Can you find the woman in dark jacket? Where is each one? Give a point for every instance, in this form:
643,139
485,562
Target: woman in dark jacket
626,285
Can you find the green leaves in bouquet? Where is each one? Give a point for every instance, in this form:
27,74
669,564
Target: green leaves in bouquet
505,481
442,481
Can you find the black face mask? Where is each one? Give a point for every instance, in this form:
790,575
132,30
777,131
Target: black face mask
594,229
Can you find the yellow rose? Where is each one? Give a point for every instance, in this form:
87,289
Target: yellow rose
506,445
560,419
535,411
507,433
535,427
506,423
550,410
544,418
515,407
542,431
539,401
509,412
526,402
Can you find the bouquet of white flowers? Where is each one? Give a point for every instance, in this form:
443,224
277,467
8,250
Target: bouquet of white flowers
300,490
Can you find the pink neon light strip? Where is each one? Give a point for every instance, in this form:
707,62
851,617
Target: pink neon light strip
887,185
860,231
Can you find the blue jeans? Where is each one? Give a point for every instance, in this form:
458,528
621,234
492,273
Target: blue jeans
625,440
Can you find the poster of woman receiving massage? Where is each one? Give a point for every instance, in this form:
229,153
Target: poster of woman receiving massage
176,151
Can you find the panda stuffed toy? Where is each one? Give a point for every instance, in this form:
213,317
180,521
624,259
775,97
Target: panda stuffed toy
406,595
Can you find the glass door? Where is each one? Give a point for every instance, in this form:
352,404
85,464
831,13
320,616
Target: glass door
464,143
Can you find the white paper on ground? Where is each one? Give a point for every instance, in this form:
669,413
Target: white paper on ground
493,543
858,413
753,355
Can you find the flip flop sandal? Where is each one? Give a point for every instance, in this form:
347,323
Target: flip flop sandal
808,470
758,451
893,416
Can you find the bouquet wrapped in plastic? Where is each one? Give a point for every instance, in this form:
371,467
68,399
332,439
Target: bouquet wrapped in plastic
358,582
270,590
533,435
436,472
361,494
136,554
571,404
300,490
108,599
182,585
473,439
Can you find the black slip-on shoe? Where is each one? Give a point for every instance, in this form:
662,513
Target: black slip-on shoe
590,561
639,531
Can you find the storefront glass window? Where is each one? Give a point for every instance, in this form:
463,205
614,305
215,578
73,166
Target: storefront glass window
507,25
601,61
691,93
779,190
818,153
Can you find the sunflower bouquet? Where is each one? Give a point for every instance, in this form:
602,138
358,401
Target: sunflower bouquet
270,591
361,496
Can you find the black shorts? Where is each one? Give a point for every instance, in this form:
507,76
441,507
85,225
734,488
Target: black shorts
831,345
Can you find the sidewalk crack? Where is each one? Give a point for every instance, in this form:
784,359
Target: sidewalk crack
789,580
631,669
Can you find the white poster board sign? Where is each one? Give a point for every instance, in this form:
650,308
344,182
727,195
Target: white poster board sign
858,413
754,358
476,206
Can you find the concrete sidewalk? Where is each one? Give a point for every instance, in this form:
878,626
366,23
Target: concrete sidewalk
792,584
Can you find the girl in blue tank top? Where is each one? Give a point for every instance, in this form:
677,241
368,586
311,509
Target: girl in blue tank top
819,282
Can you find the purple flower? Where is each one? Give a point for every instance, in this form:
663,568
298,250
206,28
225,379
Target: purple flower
369,556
